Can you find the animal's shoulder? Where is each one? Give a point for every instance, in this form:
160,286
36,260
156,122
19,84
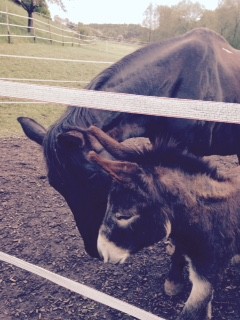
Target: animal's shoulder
198,187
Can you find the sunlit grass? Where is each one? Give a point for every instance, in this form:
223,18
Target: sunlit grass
78,72
59,70
46,114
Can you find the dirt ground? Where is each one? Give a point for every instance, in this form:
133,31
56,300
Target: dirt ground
36,225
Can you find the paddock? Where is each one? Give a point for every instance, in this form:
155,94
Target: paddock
37,226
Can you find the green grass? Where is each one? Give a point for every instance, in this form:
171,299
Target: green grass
46,114
57,70
25,68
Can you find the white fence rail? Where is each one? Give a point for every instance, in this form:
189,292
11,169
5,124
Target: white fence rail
155,106
54,59
81,289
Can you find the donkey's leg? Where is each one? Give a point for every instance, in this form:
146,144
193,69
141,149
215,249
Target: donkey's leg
198,305
175,280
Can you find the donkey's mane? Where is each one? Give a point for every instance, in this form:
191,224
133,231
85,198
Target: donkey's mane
168,154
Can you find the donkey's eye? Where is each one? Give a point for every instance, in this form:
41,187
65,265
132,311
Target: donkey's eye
125,220
121,216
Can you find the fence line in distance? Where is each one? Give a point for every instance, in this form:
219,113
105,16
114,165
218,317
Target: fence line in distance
54,59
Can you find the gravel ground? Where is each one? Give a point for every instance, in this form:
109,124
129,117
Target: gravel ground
36,225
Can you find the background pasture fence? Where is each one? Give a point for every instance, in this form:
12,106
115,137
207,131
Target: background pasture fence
43,31
43,28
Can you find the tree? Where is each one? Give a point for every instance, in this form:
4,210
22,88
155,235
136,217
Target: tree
150,19
178,19
187,15
228,21
208,20
32,6
166,22
43,10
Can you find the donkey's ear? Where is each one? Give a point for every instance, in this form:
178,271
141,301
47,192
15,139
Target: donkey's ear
120,171
71,139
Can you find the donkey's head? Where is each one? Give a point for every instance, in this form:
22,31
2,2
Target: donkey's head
140,198
130,222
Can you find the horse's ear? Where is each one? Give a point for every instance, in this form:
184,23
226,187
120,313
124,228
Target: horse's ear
32,129
120,171
71,139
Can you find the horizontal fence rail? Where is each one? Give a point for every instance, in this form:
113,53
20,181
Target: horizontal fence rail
155,106
79,288
22,102
54,59
44,80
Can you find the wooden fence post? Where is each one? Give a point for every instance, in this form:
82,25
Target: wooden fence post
8,26
50,32
62,36
33,31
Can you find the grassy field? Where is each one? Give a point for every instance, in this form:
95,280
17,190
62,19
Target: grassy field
21,68
58,70
46,114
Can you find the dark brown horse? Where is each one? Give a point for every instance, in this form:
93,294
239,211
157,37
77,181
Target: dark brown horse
198,65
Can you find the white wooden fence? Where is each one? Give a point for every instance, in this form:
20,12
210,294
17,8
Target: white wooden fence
42,30
49,31
138,104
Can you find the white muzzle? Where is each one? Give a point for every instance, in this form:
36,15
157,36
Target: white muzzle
110,252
